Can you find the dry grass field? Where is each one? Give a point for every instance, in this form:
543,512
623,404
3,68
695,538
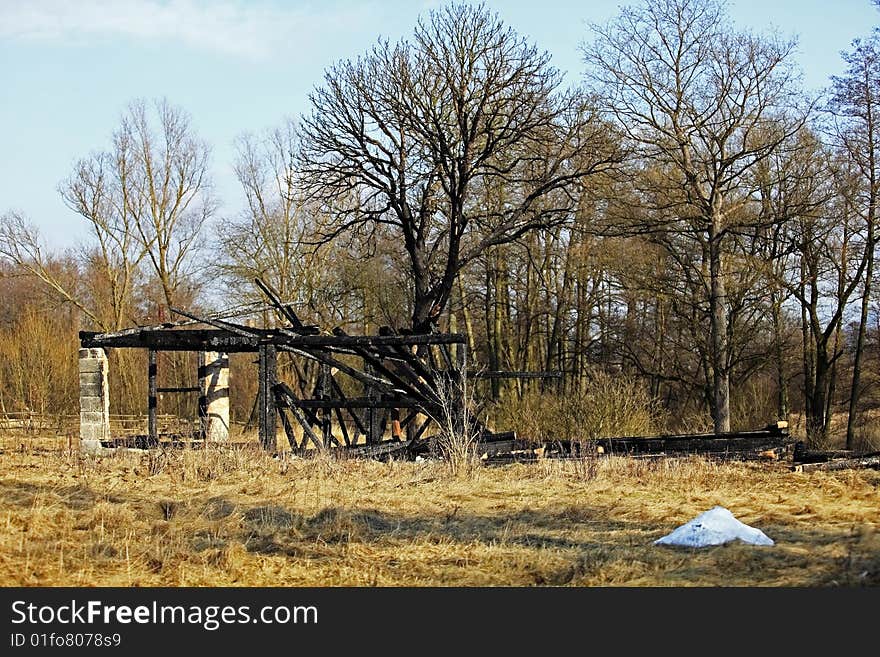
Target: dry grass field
239,518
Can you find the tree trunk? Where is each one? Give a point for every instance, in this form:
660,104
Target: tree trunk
860,340
817,422
718,319
781,380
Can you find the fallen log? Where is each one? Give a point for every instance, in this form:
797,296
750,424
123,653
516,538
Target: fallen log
866,461
804,455
733,443
385,448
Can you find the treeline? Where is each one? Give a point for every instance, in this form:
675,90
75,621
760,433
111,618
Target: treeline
688,232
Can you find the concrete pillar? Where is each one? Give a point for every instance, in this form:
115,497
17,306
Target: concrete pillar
214,396
94,399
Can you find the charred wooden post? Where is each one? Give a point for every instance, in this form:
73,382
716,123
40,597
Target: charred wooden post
325,393
374,416
94,399
392,376
214,395
320,393
152,399
266,401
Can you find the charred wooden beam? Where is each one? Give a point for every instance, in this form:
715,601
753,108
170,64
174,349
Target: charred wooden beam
236,338
803,455
242,331
288,428
283,394
152,397
325,394
173,340
865,461
364,377
422,427
357,421
387,448
266,403
376,340
718,444
365,402
286,310
412,386
419,370
374,426
501,374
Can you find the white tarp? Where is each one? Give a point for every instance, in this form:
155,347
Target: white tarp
714,527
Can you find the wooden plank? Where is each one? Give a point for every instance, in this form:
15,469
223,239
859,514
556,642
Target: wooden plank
376,340
184,389
803,455
395,423
409,418
374,426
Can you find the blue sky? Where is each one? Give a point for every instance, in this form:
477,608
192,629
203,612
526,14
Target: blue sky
68,69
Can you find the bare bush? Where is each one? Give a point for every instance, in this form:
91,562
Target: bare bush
457,440
606,405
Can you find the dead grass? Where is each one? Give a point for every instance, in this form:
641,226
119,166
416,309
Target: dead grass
238,518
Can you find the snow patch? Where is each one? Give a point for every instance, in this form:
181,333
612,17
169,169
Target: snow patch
714,527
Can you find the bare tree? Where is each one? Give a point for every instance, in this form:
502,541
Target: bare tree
706,104
856,105
167,190
406,135
22,246
263,241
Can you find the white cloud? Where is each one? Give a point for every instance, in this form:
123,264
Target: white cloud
236,27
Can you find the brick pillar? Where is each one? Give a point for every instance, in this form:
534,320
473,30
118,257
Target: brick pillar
214,396
94,399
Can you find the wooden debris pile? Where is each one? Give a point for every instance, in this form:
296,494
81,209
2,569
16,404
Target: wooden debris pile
807,460
772,442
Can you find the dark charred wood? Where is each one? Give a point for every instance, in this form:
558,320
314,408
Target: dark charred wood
326,359
500,374
286,397
285,309
152,398
234,338
243,331
866,461
385,448
804,455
